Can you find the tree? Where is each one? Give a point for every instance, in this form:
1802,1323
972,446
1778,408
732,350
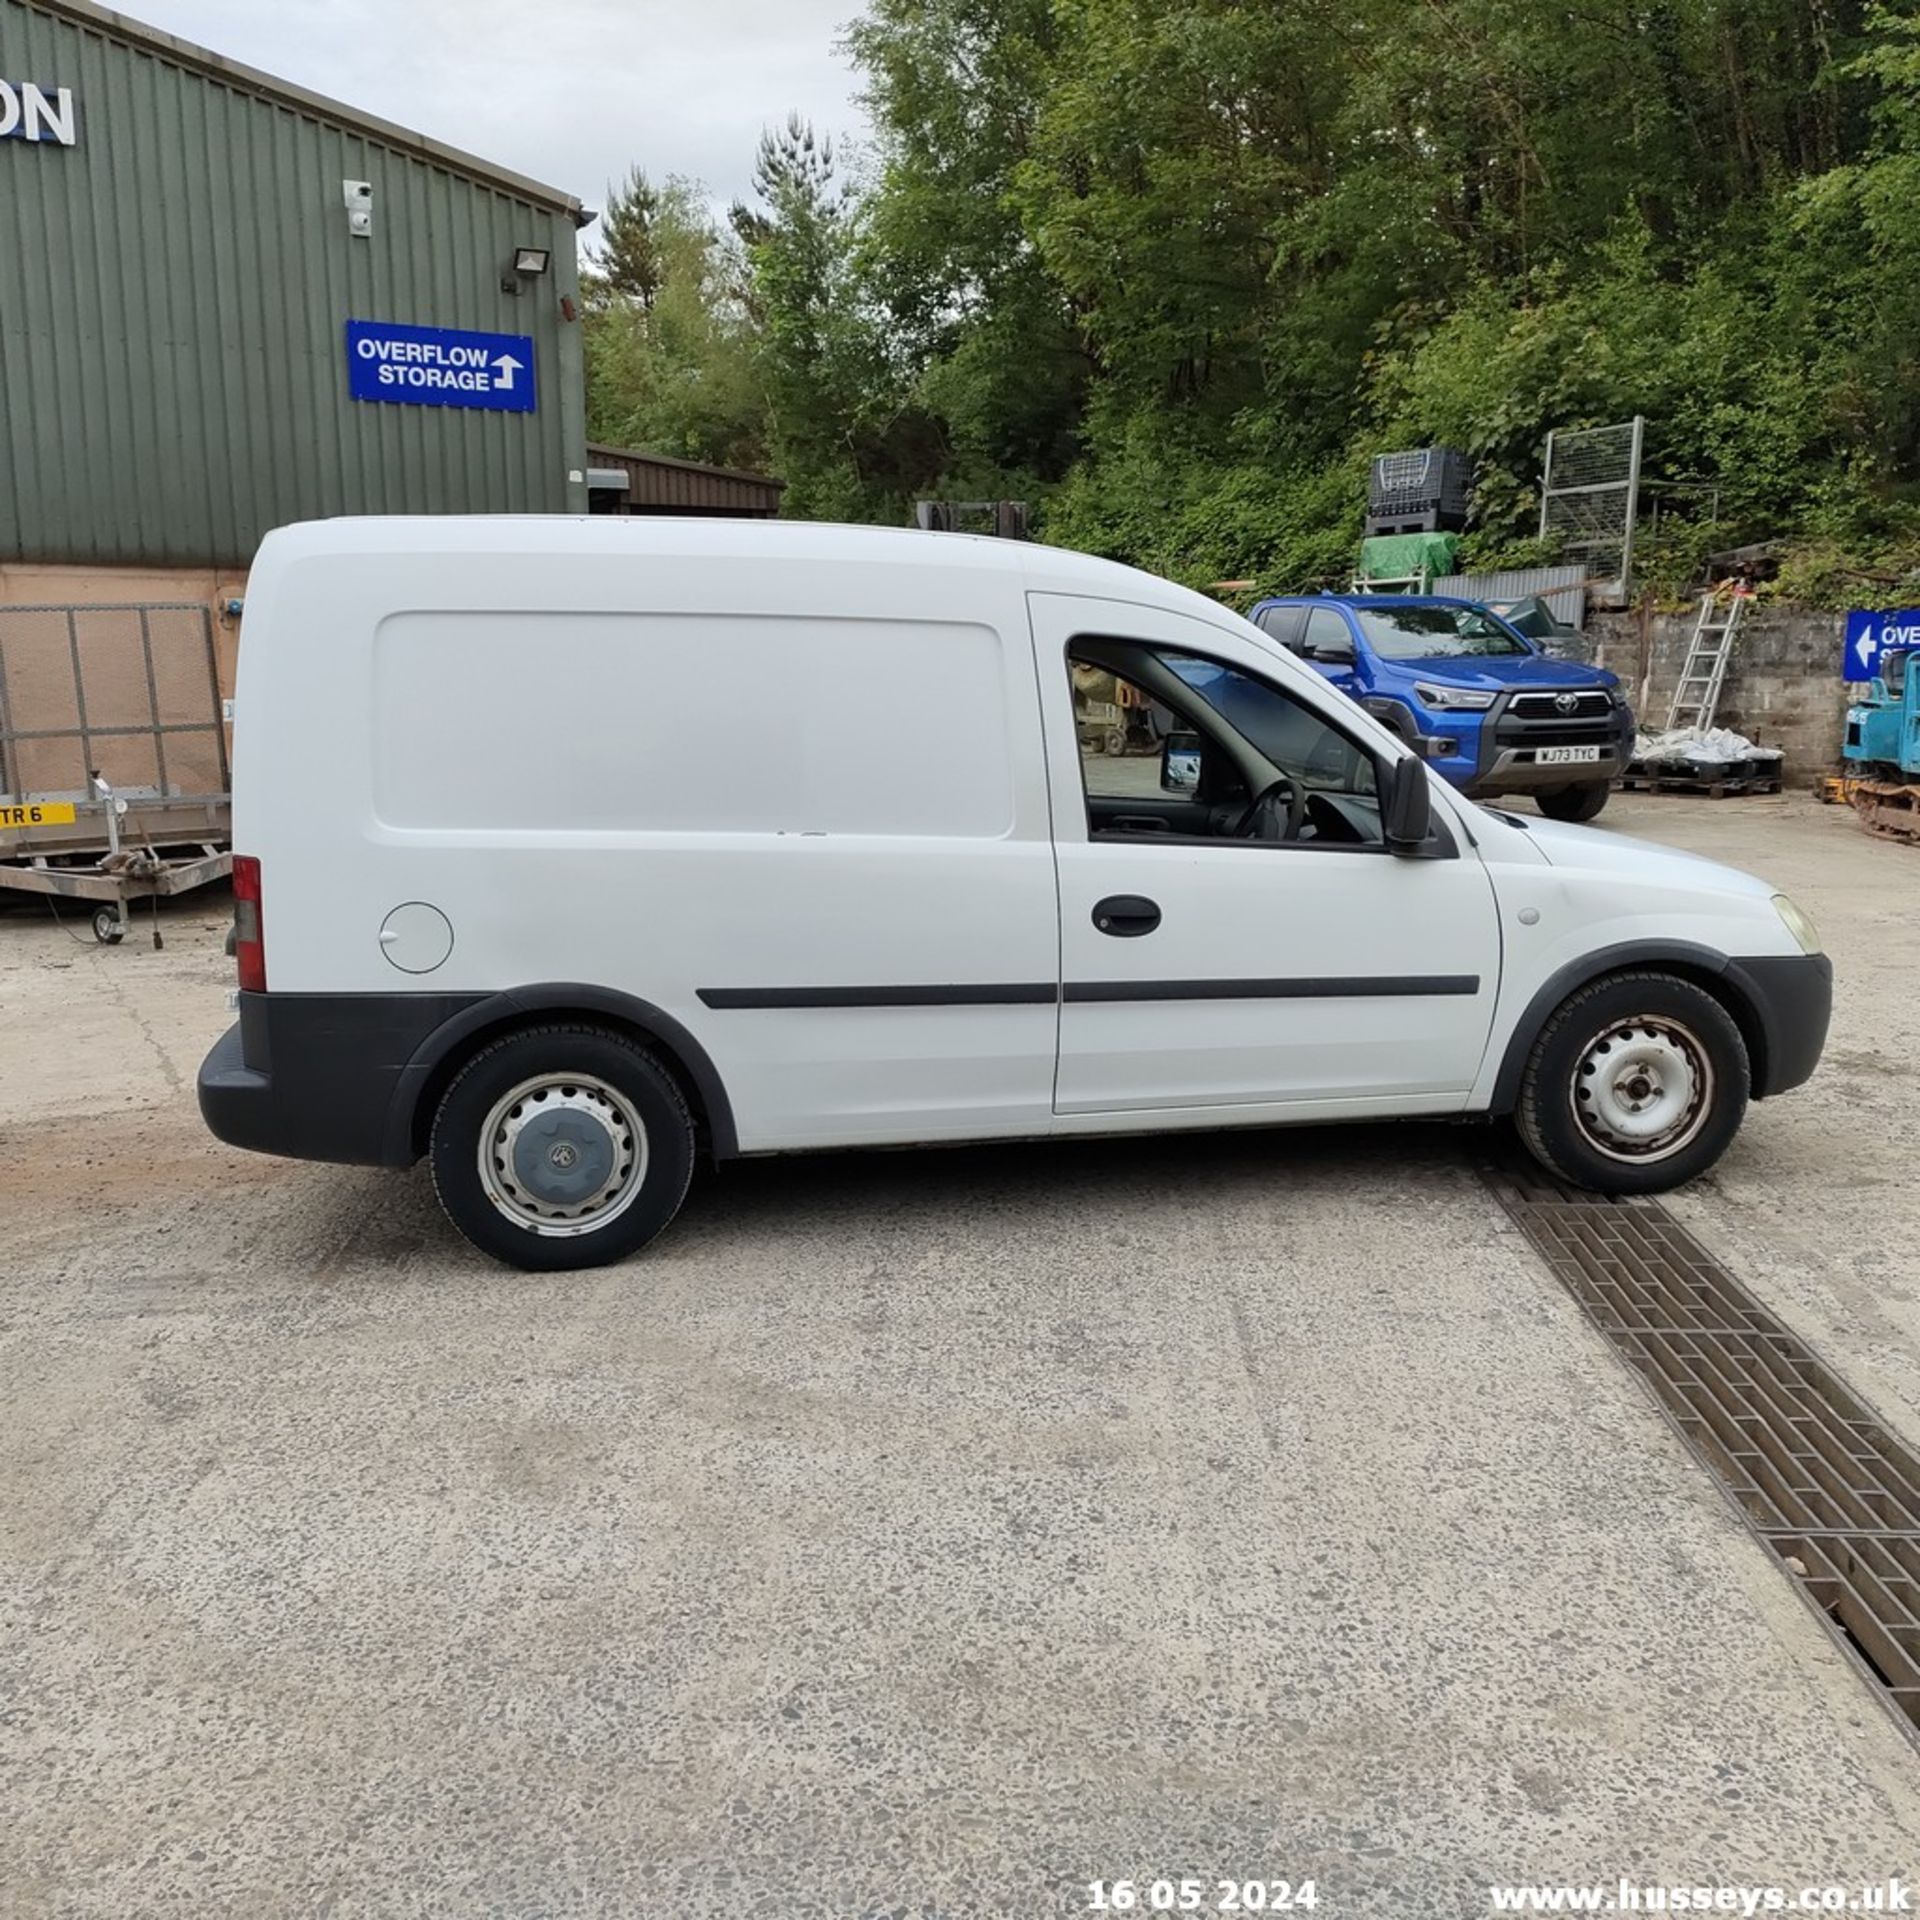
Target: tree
847,438
1173,269
672,353
955,88
629,246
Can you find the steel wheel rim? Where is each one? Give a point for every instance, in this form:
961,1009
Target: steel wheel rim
563,1154
1642,1089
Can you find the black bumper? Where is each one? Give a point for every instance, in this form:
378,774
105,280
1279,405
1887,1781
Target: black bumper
324,1076
1792,999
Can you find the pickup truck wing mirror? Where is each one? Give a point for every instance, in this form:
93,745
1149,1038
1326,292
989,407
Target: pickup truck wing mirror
1406,807
1332,653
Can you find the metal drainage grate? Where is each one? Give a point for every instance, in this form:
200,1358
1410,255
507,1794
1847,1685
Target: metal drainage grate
1815,1473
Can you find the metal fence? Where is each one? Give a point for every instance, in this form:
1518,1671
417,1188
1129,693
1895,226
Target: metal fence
130,692
1590,497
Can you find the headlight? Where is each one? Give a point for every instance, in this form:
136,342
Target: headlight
1452,699
1797,924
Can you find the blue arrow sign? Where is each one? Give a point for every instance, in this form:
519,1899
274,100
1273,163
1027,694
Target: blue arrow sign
439,366
1872,635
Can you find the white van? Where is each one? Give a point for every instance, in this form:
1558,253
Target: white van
570,851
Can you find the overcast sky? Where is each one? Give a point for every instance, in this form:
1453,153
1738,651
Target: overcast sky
569,92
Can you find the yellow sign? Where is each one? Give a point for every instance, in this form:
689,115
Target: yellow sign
41,813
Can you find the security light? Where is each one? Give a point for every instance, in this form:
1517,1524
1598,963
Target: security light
531,260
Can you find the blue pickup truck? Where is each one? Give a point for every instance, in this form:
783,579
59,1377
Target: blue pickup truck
1489,711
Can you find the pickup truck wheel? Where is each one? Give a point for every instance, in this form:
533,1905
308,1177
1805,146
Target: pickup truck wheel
1637,1084
1573,803
561,1147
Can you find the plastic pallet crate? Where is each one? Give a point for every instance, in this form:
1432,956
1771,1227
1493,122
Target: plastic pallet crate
1417,520
1427,480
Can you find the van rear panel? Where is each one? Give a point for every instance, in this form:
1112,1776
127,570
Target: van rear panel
658,776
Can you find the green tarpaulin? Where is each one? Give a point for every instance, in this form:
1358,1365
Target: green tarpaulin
1403,556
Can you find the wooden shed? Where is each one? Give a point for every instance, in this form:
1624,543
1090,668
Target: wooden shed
624,480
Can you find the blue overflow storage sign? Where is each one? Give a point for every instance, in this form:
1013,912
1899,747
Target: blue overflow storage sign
439,366
1869,635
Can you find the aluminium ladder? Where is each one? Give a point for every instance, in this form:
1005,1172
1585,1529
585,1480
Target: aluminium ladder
1696,696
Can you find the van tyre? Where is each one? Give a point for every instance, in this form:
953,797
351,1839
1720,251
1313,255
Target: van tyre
1573,803
562,1147
1635,1085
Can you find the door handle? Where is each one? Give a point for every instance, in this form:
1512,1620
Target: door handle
1126,915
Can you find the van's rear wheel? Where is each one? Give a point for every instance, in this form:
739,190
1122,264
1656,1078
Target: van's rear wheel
562,1147
1637,1084
1573,803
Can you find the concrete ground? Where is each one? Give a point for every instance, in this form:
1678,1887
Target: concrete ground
906,1534
1818,1203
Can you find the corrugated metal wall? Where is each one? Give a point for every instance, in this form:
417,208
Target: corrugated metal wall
1564,589
657,484
174,291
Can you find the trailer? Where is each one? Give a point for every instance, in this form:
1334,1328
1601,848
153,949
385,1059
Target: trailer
114,768
112,883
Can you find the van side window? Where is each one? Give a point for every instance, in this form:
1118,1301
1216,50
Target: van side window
1174,743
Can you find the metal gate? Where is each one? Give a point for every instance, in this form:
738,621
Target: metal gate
1590,498
130,692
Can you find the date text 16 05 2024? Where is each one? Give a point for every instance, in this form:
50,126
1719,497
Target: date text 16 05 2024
1195,1895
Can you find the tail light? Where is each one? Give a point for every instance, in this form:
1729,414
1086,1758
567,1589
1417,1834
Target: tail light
249,935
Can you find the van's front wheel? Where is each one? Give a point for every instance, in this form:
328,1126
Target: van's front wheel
1637,1084
562,1147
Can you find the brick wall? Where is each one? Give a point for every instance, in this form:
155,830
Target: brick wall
1783,687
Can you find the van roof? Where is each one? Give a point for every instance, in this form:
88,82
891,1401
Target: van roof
1043,568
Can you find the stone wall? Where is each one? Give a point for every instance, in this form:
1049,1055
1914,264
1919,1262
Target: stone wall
1783,687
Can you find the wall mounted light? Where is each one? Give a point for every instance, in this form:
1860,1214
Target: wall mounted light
528,264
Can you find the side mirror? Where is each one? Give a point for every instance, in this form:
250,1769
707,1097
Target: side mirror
1406,807
1333,653
1180,763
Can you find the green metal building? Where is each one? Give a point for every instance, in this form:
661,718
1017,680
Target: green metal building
200,268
